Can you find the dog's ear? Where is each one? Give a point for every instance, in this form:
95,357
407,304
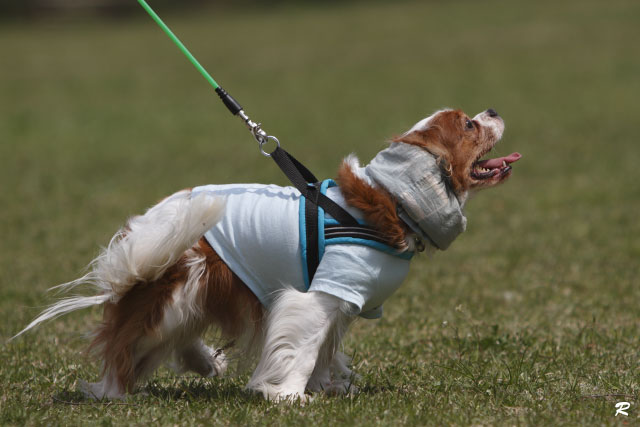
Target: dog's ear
377,205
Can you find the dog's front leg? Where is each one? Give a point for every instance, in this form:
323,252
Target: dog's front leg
331,374
297,327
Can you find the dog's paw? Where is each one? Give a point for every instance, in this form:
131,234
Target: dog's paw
219,363
202,360
341,388
290,398
99,391
278,394
337,381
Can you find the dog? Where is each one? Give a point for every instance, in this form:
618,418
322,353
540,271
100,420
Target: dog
229,257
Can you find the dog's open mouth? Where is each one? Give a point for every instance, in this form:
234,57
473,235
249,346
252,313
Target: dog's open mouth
500,166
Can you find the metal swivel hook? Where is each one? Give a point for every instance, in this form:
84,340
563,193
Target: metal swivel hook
259,135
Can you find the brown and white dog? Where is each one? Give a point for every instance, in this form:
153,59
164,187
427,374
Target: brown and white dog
163,284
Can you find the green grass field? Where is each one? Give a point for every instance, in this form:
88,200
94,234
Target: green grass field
530,318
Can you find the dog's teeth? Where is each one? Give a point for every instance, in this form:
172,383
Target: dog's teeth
504,164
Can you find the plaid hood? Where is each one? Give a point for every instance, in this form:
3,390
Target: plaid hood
425,201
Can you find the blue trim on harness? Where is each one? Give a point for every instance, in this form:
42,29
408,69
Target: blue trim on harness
303,241
321,219
323,242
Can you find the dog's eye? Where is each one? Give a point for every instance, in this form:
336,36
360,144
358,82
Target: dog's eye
469,124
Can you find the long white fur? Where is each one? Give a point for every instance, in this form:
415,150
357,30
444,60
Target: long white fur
185,307
141,251
156,240
424,123
298,327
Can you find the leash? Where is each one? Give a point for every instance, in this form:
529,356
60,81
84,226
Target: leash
232,105
301,177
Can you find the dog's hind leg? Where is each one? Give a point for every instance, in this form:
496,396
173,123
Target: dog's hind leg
298,326
150,275
201,359
141,329
124,365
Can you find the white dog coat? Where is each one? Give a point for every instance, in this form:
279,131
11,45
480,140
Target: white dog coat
260,241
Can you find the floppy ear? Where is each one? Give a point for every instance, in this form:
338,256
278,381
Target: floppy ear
429,140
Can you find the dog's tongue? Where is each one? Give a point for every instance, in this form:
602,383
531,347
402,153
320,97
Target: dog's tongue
497,162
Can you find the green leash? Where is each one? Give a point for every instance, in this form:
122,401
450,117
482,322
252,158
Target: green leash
178,43
232,105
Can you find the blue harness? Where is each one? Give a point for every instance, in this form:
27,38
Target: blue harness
324,231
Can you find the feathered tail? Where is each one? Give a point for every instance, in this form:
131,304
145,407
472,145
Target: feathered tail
141,251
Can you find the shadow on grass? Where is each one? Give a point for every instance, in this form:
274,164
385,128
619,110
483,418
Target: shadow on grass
199,389
180,389
77,398
70,398
228,390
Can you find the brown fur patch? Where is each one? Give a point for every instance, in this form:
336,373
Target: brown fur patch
228,302
378,206
225,299
135,315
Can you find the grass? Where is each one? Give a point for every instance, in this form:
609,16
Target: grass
530,318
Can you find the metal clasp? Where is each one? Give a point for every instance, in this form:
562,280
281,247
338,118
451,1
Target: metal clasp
259,135
270,137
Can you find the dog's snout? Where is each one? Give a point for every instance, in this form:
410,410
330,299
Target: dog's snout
492,112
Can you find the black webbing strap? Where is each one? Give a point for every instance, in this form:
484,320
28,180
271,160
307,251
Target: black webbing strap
363,232
312,234
308,185
301,177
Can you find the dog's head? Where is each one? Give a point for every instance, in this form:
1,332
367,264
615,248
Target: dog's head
459,143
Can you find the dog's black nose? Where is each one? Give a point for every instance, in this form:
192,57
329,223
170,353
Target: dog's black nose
492,112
